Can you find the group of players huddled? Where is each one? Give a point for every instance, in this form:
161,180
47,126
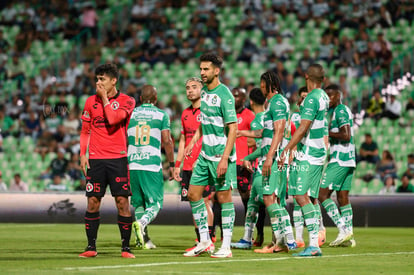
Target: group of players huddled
266,151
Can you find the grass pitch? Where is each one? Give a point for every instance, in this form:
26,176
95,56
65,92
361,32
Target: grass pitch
54,249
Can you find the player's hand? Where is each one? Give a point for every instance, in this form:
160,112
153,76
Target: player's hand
239,133
267,167
222,168
176,174
84,162
171,172
188,150
100,91
247,164
281,160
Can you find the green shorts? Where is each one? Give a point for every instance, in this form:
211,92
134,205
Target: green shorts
147,188
205,173
276,183
293,175
256,191
337,177
308,179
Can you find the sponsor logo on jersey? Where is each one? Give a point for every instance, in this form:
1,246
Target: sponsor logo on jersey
214,100
230,102
115,105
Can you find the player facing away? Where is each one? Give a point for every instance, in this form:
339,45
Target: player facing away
148,130
313,128
190,121
339,172
216,164
297,212
105,118
257,101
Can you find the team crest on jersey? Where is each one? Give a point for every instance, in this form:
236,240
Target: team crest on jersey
214,100
115,105
239,120
198,118
86,114
89,187
184,192
230,102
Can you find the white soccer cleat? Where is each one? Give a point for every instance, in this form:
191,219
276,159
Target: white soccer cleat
200,248
149,245
222,253
343,237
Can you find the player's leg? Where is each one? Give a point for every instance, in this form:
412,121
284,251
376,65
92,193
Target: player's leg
345,205
209,191
251,216
322,230
198,182
297,212
116,171
260,225
95,190
223,188
308,180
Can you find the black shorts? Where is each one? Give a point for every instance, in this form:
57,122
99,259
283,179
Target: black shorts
108,172
185,183
244,179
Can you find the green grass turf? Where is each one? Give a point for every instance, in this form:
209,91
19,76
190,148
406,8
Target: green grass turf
54,249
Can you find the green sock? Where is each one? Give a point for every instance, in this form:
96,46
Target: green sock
139,212
333,213
312,223
298,220
275,213
347,215
319,215
288,231
200,216
150,213
227,222
251,219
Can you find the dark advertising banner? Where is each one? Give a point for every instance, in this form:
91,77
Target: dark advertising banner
396,210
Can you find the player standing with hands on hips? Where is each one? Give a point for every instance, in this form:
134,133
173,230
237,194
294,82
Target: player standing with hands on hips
105,118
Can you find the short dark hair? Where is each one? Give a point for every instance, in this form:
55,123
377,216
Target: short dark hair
257,96
316,73
333,87
368,135
302,90
411,155
272,81
215,59
109,69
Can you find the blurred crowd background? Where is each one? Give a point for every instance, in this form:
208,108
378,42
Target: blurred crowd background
49,49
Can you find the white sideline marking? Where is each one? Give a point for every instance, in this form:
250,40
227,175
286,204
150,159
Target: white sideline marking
233,260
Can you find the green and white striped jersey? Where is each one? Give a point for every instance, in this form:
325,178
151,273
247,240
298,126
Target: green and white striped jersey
144,137
217,110
277,109
342,152
257,124
314,108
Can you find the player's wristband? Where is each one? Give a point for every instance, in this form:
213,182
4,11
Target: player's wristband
171,164
177,164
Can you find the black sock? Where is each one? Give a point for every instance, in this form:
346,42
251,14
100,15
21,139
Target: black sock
217,217
245,201
124,224
211,232
197,233
261,220
91,226
146,236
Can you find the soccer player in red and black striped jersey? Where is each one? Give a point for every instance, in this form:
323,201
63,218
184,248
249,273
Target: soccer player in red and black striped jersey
105,119
190,121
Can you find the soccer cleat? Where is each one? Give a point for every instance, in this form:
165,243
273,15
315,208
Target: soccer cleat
292,246
300,244
259,241
350,243
191,248
265,250
90,252
126,253
241,244
200,248
321,237
139,233
309,251
222,253
149,245
342,237
213,239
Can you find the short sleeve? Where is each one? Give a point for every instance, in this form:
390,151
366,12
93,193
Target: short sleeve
310,108
166,125
342,117
128,104
278,111
228,109
86,113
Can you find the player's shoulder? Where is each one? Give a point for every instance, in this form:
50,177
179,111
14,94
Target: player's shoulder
127,99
